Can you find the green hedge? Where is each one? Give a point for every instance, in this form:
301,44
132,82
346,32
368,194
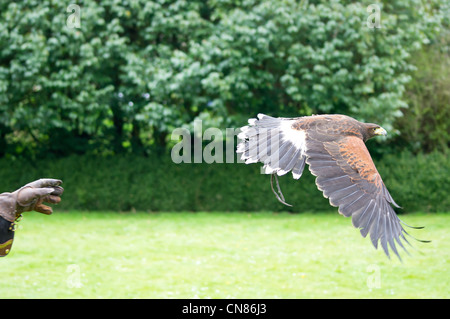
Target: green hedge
417,183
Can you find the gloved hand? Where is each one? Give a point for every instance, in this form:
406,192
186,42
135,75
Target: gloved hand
27,198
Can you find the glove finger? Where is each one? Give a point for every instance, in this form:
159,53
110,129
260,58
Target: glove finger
52,199
45,182
28,194
44,209
58,190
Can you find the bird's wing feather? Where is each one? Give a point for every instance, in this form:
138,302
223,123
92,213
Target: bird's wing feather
273,142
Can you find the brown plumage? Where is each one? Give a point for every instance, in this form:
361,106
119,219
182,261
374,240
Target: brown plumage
334,148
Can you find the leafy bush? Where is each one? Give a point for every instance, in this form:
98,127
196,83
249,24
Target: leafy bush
124,183
425,124
134,70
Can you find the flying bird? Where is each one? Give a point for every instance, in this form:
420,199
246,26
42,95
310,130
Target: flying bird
334,148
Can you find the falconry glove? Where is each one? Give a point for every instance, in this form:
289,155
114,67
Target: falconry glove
27,198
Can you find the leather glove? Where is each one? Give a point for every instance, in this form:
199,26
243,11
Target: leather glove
27,198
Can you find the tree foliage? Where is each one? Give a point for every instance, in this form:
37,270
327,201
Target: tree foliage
136,69
425,124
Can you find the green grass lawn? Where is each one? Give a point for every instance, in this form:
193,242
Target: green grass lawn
218,255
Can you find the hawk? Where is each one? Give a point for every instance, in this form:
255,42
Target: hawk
334,148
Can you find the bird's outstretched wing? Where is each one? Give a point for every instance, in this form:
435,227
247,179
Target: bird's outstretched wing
348,177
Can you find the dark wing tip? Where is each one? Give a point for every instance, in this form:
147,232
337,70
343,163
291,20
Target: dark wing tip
413,227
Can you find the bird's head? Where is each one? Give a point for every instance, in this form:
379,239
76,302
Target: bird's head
374,130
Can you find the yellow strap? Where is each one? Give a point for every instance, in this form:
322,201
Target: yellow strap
5,247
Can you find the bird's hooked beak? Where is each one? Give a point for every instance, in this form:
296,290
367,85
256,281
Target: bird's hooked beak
380,131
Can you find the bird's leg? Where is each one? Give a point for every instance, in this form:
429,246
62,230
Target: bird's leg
279,195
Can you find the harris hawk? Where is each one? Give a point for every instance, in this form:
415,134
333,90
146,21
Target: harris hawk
334,148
